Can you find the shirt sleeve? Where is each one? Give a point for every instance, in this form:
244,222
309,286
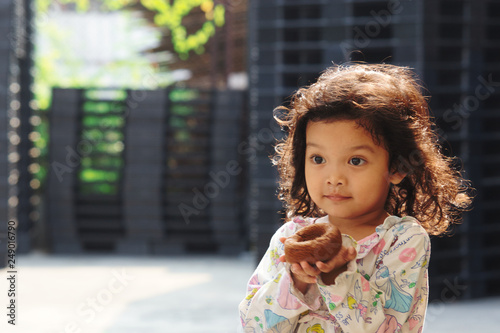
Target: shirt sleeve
269,305
393,298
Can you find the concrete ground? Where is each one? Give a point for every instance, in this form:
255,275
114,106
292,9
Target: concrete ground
110,294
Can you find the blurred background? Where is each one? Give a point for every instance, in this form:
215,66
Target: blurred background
144,127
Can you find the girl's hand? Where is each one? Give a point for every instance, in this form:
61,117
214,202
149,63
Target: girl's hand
342,258
338,264
305,273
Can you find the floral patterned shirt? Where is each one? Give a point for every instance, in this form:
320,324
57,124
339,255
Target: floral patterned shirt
384,289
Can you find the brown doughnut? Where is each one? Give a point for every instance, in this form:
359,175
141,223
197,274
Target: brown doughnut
316,242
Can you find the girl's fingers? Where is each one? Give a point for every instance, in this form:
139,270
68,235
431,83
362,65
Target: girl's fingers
297,269
305,269
308,269
310,279
344,256
282,258
300,274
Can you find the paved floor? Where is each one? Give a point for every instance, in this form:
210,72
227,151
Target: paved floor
126,294
101,294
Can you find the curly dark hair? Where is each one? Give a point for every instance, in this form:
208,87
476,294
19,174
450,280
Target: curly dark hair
387,101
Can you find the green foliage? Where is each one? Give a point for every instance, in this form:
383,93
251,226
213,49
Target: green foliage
169,14
92,175
178,95
102,124
118,4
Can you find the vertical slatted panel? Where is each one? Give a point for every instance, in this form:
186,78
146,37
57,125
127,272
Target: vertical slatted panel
228,170
63,164
99,185
461,70
15,97
204,172
23,51
485,148
187,144
447,78
143,174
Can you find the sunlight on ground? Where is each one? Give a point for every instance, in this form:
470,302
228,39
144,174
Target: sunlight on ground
87,299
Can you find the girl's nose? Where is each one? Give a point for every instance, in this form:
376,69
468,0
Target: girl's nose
335,178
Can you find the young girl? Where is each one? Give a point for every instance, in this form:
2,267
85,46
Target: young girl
361,154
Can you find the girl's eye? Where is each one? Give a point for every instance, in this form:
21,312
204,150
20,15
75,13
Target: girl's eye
317,159
357,161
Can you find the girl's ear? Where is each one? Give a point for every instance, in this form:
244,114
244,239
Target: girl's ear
395,177
398,171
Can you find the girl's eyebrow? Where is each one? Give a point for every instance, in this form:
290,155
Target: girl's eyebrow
312,144
363,147
360,147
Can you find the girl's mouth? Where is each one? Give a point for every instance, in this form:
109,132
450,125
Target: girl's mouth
337,197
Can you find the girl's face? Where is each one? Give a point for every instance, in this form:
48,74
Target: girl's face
347,173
